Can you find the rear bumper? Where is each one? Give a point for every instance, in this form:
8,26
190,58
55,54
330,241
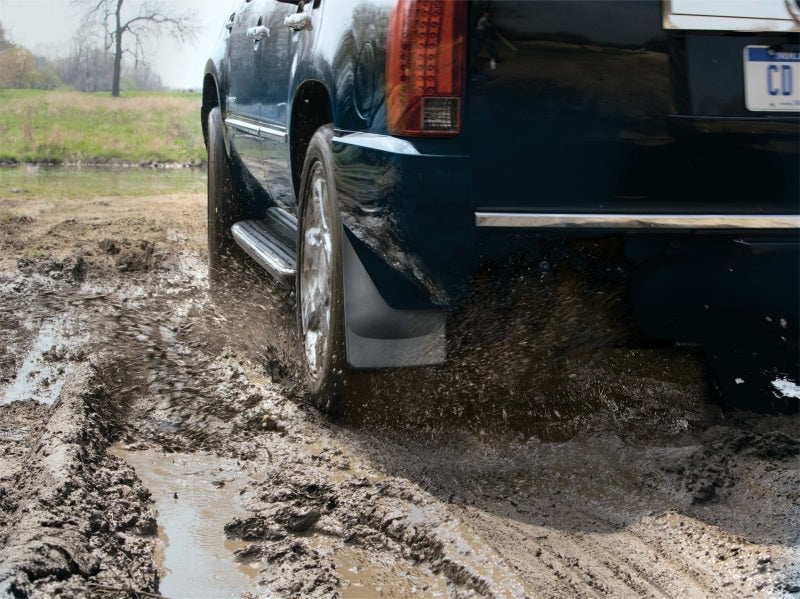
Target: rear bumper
419,233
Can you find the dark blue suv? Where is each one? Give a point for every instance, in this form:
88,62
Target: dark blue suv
376,152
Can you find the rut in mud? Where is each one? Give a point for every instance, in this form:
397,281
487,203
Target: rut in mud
618,479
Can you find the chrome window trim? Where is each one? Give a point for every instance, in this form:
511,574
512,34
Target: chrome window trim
637,221
752,16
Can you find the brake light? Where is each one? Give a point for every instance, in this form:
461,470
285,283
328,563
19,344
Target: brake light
425,67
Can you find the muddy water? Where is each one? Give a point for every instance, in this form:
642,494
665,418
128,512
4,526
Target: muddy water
195,496
42,373
364,574
74,181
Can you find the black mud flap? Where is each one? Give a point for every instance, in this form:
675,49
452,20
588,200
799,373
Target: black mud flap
379,336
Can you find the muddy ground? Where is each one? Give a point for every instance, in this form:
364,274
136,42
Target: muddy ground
525,469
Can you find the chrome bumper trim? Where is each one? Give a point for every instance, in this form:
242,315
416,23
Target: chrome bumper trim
636,221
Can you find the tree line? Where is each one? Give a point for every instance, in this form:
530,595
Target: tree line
113,59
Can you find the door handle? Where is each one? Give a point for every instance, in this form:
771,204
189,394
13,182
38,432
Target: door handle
258,33
298,21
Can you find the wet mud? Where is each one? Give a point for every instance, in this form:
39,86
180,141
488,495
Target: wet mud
154,428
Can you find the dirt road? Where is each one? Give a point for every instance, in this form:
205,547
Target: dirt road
139,408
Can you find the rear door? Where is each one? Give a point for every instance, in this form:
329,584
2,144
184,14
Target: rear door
249,34
275,63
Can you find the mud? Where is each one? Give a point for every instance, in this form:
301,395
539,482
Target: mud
152,430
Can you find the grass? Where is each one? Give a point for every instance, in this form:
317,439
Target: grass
56,127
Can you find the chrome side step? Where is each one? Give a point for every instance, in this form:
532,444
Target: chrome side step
270,242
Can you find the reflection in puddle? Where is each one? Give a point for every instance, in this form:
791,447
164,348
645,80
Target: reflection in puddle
88,181
41,375
195,495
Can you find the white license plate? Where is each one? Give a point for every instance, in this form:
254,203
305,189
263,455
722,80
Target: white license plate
771,79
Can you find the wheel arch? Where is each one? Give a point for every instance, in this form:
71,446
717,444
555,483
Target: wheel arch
311,108
211,99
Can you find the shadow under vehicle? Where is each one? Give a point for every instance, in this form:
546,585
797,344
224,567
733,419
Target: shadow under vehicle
376,154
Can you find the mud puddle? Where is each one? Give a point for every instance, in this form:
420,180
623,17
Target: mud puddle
195,496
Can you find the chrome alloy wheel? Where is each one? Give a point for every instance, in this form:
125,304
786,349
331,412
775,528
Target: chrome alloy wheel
316,290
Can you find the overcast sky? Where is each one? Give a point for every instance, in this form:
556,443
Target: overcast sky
47,27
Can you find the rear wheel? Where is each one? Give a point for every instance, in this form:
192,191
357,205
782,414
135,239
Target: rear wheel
319,278
223,197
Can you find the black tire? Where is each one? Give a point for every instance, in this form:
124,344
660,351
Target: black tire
224,205
319,281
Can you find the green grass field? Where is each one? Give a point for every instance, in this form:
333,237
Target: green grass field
58,127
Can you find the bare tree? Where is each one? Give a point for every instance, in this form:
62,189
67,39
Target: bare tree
139,24
4,43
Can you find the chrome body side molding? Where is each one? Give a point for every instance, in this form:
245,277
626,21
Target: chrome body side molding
637,221
273,132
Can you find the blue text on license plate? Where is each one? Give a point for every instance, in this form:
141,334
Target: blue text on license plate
771,79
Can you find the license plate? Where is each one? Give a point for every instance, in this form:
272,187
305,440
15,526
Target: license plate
771,79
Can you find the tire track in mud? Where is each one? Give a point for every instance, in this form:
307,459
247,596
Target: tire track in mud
567,533
589,565
78,521
162,356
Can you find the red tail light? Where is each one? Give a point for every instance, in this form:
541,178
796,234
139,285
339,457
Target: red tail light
425,67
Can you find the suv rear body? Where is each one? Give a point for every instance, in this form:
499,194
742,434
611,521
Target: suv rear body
668,129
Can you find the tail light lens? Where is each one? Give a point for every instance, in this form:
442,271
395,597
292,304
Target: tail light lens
425,67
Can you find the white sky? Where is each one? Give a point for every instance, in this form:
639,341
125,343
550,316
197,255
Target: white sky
47,27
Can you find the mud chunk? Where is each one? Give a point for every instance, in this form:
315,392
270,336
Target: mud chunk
253,529
136,258
73,268
12,223
299,571
771,446
302,522
249,554
703,490
98,522
268,423
109,246
146,527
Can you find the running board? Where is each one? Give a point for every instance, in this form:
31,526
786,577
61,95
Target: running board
270,242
